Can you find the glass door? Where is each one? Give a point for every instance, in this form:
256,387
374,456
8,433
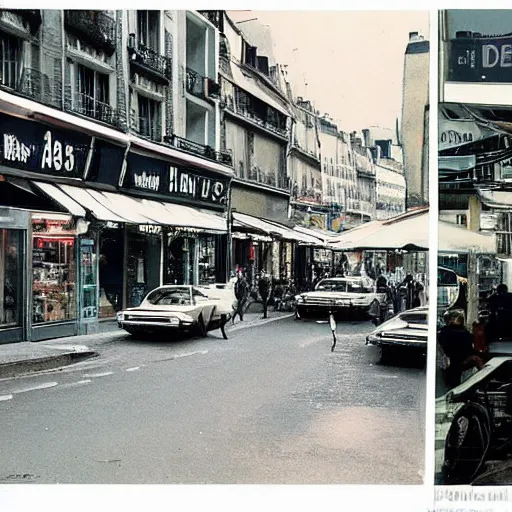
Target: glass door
88,280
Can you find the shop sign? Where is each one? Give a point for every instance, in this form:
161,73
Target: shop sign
171,180
455,133
35,147
150,229
481,60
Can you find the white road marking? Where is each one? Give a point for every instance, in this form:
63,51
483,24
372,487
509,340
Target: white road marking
387,376
92,375
5,397
133,369
74,384
45,385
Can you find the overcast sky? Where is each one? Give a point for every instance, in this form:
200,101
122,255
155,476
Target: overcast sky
352,61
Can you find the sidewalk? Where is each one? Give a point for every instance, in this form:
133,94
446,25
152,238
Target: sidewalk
28,357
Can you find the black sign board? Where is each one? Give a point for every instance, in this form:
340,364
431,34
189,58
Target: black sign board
36,147
474,59
173,180
106,163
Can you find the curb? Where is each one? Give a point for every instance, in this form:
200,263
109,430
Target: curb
259,322
39,364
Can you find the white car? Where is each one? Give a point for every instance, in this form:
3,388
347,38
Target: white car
350,295
173,308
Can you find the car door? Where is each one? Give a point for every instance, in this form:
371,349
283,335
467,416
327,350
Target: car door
205,303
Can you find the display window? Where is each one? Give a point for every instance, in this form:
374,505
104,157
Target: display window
53,270
11,277
207,270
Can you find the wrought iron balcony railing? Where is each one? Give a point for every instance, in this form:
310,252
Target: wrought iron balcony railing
223,157
35,85
195,83
149,128
250,114
150,62
88,106
96,27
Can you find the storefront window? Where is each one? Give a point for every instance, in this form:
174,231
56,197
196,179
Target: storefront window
207,273
89,301
143,265
111,271
54,270
11,297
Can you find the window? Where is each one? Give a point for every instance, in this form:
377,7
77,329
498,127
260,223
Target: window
54,271
179,296
148,25
11,271
92,94
149,118
10,60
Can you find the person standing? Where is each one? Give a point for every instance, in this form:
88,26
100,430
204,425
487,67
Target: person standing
457,344
264,290
241,295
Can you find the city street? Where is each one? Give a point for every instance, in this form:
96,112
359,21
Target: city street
270,405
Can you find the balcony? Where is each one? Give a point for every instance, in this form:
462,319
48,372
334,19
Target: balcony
216,18
18,16
150,62
93,26
251,115
190,146
150,129
88,106
195,84
365,173
34,85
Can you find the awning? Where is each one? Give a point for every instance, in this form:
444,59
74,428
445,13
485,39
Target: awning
61,198
496,198
247,83
272,228
114,207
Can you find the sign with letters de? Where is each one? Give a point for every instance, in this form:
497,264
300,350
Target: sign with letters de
474,59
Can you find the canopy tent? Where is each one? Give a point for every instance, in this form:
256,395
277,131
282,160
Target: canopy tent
411,232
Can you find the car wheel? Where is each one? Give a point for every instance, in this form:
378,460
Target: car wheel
385,355
201,326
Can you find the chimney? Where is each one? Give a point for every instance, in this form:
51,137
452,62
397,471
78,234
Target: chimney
415,36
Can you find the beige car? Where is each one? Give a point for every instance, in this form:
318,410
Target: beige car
173,308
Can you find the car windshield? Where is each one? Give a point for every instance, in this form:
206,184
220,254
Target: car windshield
170,296
415,318
336,285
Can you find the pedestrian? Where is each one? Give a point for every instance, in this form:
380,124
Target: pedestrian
458,346
264,290
500,309
241,288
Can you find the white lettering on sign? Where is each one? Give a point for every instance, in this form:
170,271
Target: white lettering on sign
14,150
53,158
492,55
198,187
148,181
173,179
150,229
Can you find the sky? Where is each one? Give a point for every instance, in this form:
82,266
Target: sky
351,61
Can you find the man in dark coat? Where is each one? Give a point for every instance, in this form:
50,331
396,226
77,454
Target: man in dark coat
241,295
264,289
500,309
457,343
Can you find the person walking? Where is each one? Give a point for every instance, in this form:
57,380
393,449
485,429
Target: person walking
241,296
264,290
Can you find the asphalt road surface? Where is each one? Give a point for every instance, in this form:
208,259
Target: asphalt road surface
270,405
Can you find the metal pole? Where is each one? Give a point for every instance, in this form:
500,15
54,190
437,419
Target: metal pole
472,313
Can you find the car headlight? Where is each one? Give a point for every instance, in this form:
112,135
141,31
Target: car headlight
300,299
339,301
120,316
373,337
174,320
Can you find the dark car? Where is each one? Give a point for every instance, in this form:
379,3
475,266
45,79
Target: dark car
406,331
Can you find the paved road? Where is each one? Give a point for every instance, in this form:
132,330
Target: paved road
270,405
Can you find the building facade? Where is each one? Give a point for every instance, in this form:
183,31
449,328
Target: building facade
415,98
112,181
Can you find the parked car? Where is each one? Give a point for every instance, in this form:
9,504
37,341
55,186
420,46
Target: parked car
174,308
407,330
474,426
341,295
